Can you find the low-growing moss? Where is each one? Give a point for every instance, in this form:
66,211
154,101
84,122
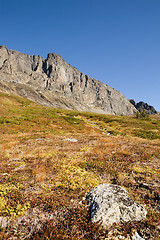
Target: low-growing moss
24,102
72,120
12,203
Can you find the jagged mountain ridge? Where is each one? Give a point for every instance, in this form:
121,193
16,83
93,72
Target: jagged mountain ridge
140,106
53,82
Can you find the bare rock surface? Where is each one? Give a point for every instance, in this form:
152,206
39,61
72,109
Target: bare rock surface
53,82
110,204
141,106
137,237
4,221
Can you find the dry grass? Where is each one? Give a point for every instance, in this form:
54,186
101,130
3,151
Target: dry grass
45,174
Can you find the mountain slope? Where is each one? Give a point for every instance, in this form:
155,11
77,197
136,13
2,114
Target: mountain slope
50,158
53,82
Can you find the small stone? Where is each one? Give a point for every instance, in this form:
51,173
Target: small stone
137,237
121,237
3,222
71,140
21,167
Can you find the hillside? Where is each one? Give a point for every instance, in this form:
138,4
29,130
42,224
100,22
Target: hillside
53,82
50,158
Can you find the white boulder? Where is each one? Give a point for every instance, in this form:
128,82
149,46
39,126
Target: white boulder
110,204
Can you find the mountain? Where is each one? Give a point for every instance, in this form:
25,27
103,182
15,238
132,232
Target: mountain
140,106
53,82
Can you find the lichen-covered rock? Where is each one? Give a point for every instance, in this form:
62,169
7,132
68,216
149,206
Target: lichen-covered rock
55,83
4,221
110,204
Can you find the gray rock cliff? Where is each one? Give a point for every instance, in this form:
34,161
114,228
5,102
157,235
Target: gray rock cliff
53,82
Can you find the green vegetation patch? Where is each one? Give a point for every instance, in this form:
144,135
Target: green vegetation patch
72,120
147,134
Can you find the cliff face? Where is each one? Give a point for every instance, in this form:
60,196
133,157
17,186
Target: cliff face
53,82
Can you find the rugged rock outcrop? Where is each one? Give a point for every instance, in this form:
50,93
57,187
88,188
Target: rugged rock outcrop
141,106
53,82
110,204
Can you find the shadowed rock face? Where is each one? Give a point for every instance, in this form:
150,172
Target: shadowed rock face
53,82
141,106
110,204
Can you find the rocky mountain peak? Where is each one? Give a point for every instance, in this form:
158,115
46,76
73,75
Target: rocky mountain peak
53,82
142,106
54,56
2,47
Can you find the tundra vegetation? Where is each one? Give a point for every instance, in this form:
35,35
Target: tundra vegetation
50,158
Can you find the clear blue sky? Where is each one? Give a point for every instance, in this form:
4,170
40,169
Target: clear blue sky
114,41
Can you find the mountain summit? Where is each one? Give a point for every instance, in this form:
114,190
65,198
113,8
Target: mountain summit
53,82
